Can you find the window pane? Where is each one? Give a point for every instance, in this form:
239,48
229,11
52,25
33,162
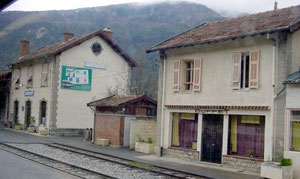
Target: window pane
184,130
295,115
247,136
296,135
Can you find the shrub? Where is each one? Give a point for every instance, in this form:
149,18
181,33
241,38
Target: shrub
285,162
149,140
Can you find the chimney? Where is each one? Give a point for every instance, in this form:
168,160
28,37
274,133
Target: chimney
24,47
67,35
108,32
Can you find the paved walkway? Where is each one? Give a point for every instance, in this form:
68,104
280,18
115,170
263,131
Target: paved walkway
7,135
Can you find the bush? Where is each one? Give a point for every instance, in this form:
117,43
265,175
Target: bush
149,140
285,162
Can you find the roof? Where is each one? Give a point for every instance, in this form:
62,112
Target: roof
115,101
293,78
5,73
57,48
265,22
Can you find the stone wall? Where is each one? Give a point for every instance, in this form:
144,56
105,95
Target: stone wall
142,128
66,132
250,165
109,127
186,155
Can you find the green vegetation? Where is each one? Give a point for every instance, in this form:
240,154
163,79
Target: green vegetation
285,162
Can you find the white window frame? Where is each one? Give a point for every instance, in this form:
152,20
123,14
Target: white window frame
288,129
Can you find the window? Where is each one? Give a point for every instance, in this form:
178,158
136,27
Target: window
184,130
30,77
246,136
188,72
43,108
245,70
16,80
295,131
187,75
44,75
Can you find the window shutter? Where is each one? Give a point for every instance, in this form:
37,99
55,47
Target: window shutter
176,70
17,77
44,80
197,74
254,69
236,70
30,77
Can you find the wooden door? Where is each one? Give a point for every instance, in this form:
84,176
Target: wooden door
27,114
212,136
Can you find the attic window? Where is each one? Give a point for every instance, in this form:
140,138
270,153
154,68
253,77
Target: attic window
96,48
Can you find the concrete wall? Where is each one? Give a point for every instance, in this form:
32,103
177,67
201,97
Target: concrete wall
109,127
252,165
40,93
72,111
142,128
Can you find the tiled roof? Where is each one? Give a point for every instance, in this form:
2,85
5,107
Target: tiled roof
270,21
54,49
114,101
217,107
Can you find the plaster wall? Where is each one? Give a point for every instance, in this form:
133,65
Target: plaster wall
72,111
40,93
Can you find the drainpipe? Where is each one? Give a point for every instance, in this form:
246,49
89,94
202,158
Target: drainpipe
162,57
269,37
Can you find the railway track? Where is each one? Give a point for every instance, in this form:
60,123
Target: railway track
59,156
52,163
129,163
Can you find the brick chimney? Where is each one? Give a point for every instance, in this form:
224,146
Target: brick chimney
24,47
108,32
67,35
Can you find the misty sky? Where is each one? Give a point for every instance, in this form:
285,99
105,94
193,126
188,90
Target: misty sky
232,6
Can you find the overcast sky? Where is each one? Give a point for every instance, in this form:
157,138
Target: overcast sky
234,6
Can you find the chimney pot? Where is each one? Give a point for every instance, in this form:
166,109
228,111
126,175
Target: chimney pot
24,47
108,32
67,35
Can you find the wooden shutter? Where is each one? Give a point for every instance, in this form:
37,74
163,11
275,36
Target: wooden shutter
236,70
17,77
253,69
197,74
30,76
44,80
176,70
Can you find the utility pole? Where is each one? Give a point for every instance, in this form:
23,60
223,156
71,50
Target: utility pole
275,5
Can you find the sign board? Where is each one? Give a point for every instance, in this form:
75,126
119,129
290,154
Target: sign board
210,111
95,65
75,78
29,93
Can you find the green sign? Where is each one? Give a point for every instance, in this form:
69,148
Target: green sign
76,78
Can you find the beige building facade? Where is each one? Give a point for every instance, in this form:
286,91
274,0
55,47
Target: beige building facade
53,84
221,95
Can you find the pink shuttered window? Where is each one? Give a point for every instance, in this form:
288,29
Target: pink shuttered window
197,75
44,79
253,69
176,70
236,71
16,80
30,77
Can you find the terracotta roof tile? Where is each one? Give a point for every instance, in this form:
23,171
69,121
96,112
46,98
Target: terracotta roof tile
269,21
54,49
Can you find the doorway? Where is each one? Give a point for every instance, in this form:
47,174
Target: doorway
27,113
212,136
16,112
43,108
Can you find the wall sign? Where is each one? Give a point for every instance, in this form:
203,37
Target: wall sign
75,78
29,93
95,65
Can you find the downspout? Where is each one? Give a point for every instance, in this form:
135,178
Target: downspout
273,93
162,57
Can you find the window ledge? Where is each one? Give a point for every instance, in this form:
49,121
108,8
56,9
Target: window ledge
245,158
183,149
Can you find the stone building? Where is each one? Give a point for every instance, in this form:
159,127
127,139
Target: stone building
54,83
220,85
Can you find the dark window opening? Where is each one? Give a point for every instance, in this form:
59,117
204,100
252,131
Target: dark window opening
16,112
43,108
245,71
